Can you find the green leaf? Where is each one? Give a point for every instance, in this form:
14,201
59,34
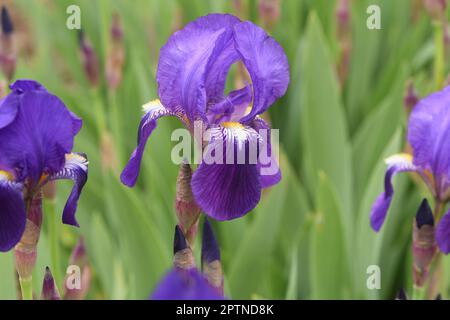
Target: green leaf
324,128
328,261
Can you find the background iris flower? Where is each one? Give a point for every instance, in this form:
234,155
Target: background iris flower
429,137
192,71
36,141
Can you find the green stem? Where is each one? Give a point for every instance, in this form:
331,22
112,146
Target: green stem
418,293
439,61
53,238
26,286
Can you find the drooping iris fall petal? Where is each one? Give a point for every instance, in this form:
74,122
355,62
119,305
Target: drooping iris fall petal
226,185
396,164
76,169
153,111
12,212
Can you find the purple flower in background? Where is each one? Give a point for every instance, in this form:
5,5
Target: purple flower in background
429,136
36,140
191,76
185,285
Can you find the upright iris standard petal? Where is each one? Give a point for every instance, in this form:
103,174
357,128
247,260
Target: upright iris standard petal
426,125
269,170
12,212
232,107
8,109
194,63
153,111
267,64
185,285
39,137
396,164
443,234
76,169
226,185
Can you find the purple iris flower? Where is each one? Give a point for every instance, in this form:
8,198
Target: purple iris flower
36,140
429,137
191,76
185,285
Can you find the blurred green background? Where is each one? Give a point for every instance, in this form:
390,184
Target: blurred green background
309,237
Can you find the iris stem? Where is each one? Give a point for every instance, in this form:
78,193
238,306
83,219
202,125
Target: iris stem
53,238
418,293
439,61
26,286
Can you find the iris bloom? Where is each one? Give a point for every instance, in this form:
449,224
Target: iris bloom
36,140
192,71
429,137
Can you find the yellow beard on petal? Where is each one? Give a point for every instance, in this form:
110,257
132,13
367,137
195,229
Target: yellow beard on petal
231,125
5,175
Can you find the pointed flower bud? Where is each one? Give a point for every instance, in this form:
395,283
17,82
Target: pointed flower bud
410,99
401,295
424,244
116,54
89,60
211,265
49,288
183,256
269,11
343,19
78,258
186,208
436,9
7,45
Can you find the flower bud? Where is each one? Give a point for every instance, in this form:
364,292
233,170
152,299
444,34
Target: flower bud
269,12
343,19
116,55
211,265
424,243
89,60
187,209
183,257
436,8
7,45
410,99
401,295
26,250
49,288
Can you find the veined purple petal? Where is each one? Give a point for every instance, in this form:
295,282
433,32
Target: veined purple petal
9,106
194,63
270,173
40,135
227,185
23,85
396,164
267,64
153,111
12,212
185,285
443,234
76,169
